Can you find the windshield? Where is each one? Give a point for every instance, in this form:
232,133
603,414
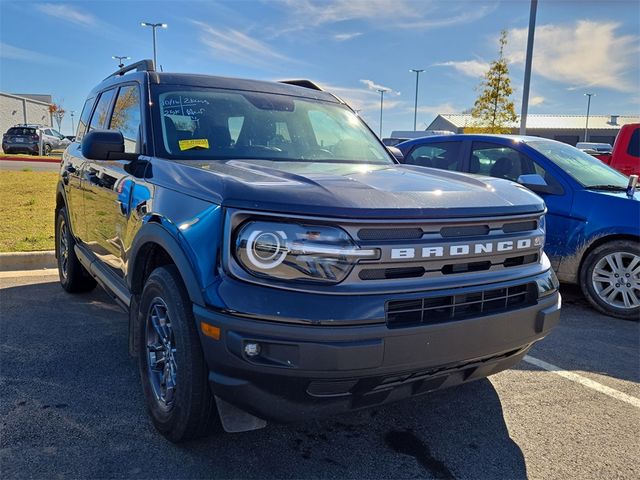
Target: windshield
207,123
584,168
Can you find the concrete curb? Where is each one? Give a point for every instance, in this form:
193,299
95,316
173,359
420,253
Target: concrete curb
27,260
31,159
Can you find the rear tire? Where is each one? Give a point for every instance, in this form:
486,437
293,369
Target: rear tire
172,367
73,276
610,279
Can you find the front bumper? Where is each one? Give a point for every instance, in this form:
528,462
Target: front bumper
306,371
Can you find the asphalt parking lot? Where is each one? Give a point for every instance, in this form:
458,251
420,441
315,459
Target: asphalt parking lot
71,407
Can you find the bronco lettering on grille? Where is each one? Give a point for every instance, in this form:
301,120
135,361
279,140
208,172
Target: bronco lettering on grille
462,249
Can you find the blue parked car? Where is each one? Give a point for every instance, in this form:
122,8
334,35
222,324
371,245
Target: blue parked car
593,226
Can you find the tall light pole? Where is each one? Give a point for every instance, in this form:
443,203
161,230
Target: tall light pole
154,26
415,106
527,68
586,125
73,127
120,60
381,90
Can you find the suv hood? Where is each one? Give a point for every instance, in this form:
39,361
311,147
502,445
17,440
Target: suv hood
347,189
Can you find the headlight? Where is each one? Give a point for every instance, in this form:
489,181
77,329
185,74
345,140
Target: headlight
297,252
548,284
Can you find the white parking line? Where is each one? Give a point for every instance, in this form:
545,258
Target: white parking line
574,377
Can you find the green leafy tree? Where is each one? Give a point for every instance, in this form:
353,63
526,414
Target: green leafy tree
493,110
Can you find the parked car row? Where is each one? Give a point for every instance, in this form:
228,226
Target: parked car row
26,138
593,225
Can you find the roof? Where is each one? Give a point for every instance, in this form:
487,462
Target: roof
37,98
555,122
211,81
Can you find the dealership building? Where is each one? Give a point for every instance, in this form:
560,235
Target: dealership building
564,128
24,108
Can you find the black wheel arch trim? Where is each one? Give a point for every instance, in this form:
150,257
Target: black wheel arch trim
154,232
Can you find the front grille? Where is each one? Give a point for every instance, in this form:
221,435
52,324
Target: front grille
434,310
390,233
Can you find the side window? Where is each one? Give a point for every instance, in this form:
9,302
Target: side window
99,118
498,161
549,178
634,144
444,155
84,118
325,128
126,117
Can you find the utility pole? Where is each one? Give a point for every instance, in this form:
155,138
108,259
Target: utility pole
154,26
381,90
586,126
527,68
415,107
120,60
73,127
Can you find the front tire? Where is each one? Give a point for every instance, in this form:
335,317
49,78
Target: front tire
172,368
610,279
73,276
46,149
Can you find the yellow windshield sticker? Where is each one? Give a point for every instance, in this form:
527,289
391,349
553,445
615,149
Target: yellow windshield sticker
194,143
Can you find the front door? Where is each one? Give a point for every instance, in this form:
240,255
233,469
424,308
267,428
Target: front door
501,161
108,184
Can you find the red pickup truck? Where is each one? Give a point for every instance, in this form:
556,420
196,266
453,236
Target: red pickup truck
625,156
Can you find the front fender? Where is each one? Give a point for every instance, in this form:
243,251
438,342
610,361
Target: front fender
155,232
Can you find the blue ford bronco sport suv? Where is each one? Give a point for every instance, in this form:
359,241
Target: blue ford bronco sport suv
278,264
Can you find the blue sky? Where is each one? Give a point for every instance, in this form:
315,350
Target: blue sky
351,48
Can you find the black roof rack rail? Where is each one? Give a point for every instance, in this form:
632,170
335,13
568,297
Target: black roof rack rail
302,83
141,66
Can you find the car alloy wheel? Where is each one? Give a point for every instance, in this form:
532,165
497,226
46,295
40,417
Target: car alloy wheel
616,280
63,249
161,353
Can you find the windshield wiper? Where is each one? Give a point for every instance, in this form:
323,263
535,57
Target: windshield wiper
611,188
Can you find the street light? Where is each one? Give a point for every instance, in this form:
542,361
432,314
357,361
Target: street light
527,67
120,60
586,126
154,26
381,90
415,107
73,128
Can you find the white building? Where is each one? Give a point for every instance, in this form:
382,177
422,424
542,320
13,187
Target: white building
564,128
24,108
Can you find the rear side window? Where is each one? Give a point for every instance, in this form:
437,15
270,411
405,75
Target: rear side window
126,117
84,118
634,144
444,155
21,131
100,115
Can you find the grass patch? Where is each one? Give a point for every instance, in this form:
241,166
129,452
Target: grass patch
27,204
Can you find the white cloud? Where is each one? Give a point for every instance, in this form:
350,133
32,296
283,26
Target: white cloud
470,68
407,14
536,100
67,13
584,54
11,52
236,46
371,85
438,108
341,37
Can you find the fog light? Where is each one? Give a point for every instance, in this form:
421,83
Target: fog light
252,349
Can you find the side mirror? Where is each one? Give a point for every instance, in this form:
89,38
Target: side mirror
535,183
104,145
397,153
